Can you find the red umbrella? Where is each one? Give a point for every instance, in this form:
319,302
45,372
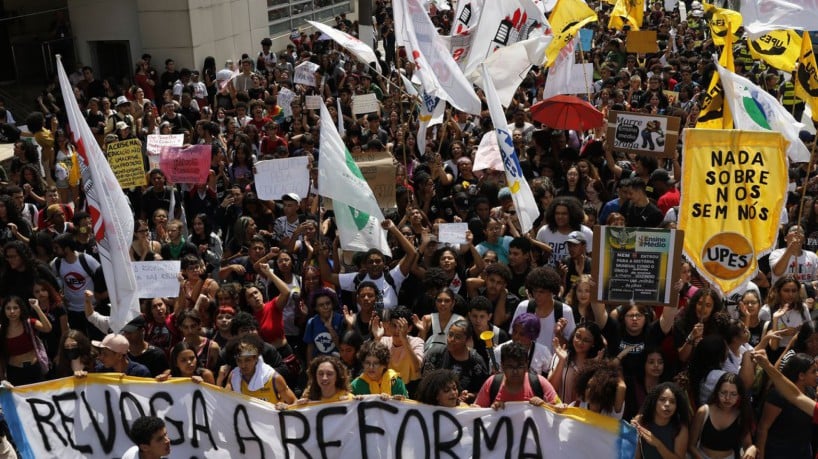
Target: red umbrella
567,112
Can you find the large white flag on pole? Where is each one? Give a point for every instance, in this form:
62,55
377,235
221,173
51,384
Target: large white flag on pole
357,213
359,49
765,15
112,217
754,109
527,210
438,72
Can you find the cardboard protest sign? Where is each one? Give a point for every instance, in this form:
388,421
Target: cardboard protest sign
285,99
277,177
125,158
365,103
156,142
157,279
378,169
734,191
305,73
643,133
641,41
313,102
636,265
186,165
671,96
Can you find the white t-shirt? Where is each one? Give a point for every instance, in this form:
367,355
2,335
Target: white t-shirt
559,243
390,295
804,267
547,324
75,281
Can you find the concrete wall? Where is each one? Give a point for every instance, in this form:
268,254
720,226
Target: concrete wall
98,20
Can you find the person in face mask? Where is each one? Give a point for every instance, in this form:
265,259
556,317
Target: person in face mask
74,354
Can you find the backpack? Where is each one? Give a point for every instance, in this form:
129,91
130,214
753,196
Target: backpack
533,380
83,262
532,306
349,297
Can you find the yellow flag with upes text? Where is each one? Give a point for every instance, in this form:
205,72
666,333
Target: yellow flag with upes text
567,17
715,112
734,185
806,78
778,48
628,12
722,22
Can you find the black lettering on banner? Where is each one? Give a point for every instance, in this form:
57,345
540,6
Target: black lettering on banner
45,419
107,442
68,420
199,402
479,429
241,439
363,428
445,446
123,397
413,413
319,428
529,426
178,425
298,442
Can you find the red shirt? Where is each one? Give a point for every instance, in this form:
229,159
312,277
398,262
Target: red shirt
270,322
549,394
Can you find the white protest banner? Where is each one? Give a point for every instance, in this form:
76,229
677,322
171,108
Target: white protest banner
157,279
74,418
365,103
285,99
305,73
277,177
452,233
313,102
156,142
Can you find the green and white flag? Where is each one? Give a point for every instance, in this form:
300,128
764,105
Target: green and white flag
357,213
756,110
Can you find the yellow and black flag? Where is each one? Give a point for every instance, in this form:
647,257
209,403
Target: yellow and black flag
715,112
567,17
722,22
806,78
778,48
628,12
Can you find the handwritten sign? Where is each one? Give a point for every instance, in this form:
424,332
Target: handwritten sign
313,102
452,233
276,177
305,73
379,171
642,132
636,264
365,103
125,158
156,142
157,278
186,165
285,99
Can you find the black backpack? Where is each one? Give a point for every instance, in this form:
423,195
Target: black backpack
83,262
533,380
532,306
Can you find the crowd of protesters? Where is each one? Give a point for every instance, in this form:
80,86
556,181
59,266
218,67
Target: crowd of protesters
269,306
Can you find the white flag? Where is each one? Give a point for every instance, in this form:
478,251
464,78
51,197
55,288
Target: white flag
754,109
112,217
438,72
359,49
431,114
357,213
765,15
567,77
527,210
488,153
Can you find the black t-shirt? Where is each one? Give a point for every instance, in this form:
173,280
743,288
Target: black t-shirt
647,217
471,372
153,358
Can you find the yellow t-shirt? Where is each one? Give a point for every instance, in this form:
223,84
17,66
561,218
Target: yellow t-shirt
267,392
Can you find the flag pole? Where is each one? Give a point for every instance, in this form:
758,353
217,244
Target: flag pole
806,182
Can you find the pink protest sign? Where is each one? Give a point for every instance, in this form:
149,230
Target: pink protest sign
186,165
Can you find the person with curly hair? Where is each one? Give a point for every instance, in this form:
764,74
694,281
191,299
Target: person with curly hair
440,388
662,423
600,388
697,321
562,216
327,381
378,378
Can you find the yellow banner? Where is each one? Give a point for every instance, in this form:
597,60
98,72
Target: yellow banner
778,48
723,22
715,112
734,185
125,158
566,19
806,81
627,12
